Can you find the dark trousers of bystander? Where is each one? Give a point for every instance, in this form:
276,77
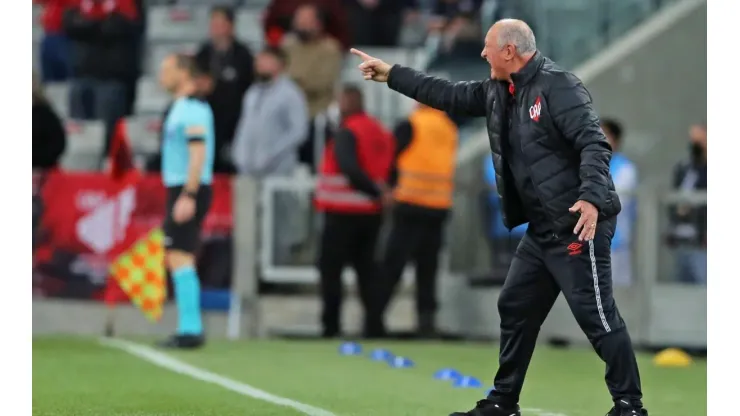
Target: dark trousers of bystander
99,99
417,239
371,28
55,62
349,240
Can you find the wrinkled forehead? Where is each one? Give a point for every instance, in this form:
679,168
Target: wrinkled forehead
491,36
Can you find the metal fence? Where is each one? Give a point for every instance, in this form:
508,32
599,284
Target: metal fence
663,309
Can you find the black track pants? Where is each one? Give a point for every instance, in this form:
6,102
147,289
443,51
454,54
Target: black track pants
582,272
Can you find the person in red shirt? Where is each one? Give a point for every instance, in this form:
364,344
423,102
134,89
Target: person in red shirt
279,19
352,193
55,64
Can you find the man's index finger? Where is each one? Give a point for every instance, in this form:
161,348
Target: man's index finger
360,53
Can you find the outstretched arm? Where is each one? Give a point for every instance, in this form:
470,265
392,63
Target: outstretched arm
465,98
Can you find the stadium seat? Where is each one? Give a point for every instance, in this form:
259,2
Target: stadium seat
249,28
625,14
143,134
85,145
36,56
159,50
178,23
567,27
151,99
58,96
256,4
230,3
38,30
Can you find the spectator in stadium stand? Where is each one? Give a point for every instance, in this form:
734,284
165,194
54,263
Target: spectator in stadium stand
457,21
49,136
55,62
279,19
377,22
426,148
689,222
351,191
624,175
315,64
132,85
501,241
273,122
105,34
231,65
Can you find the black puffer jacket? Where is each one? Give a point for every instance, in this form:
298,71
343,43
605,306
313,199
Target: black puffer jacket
105,49
557,127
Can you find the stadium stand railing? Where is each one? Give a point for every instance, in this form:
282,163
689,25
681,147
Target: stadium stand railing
471,310
85,146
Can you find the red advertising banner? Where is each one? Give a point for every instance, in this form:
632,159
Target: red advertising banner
83,221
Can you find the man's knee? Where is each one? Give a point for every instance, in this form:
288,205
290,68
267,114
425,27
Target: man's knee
176,259
597,316
511,309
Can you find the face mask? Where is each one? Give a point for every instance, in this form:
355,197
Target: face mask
697,152
304,35
262,77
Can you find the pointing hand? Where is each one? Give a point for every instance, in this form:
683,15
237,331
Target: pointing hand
372,68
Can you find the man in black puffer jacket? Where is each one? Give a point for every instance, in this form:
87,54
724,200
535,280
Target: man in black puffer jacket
106,36
552,171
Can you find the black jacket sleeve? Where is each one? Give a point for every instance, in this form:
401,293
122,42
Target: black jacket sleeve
403,134
78,27
203,57
679,172
119,27
464,98
246,68
49,137
345,149
572,112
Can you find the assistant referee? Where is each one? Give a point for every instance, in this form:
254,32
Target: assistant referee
187,172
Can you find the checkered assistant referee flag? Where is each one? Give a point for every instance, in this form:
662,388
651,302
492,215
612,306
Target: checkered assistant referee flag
140,273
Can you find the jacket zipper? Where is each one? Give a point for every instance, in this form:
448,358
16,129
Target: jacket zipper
521,149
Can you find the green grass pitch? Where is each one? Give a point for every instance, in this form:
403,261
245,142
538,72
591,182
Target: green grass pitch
81,377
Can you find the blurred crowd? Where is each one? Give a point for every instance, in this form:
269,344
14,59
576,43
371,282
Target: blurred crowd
98,47
275,106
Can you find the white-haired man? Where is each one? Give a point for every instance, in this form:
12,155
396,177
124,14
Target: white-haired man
552,171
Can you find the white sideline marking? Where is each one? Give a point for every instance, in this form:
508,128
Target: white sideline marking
169,363
163,360
540,412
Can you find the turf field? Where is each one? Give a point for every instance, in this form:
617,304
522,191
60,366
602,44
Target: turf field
82,377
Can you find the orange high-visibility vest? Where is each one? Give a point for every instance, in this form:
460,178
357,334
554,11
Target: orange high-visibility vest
426,169
375,151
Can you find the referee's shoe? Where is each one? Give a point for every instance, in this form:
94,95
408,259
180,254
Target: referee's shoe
486,407
183,342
